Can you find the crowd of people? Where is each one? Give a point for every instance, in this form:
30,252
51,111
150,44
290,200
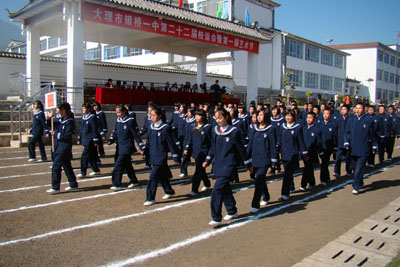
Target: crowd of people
261,139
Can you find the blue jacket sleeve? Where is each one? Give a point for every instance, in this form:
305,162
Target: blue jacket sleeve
241,149
171,145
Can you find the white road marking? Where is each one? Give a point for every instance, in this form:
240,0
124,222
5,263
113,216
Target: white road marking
115,219
155,253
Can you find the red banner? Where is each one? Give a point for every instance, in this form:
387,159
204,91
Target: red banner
120,18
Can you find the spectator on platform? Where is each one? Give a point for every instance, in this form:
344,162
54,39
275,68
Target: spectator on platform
187,87
141,86
152,88
125,85
174,87
167,87
108,84
118,85
194,88
205,88
134,85
217,91
181,88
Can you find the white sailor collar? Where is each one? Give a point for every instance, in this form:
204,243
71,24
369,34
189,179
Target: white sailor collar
279,118
228,131
158,126
124,119
87,116
38,112
99,112
206,125
359,118
284,125
190,120
64,121
262,129
243,116
235,121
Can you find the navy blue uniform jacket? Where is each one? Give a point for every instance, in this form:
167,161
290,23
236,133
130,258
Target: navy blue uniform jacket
384,125
124,133
200,141
38,123
341,124
360,135
63,137
89,130
102,122
189,124
225,149
328,135
159,142
262,146
291,141
312,140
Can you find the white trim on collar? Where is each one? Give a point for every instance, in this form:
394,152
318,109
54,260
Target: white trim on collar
154,127
124,119
226,132
263,129
290,128
87,116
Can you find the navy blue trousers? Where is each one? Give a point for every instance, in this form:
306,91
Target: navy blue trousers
340,154
159,174
390,146
289,166
123,163
89,155
371,157
308,177
324,173
222,193
261,188
61,161
200,175
382,144
32,145
185,163
359,171
100,147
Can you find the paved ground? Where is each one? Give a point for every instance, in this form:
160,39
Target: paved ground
98,227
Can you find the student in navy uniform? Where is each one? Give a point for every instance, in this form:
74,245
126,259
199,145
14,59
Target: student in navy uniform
145,130
277,119
384,124
238,123
226,146
250,133
329,144
359,135
159,142
190,122
199,141
125,134
371,114
291,143
318,115
88,138
394,132
102,123
181,129
312,142
342,153
63,151
262,151
173,122
38,130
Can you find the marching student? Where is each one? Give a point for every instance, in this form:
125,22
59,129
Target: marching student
189,124
236,122
38,130
250,133
277,119
102,123
359,134
63,150
291,143
342,152
244,116
144,130
318,115
312,142
371,114
173,122
394,132
226,145
159,142
384,124
181,129
328,142
199,141
124,134
262,151
88,138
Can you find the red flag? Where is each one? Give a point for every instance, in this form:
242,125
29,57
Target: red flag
398,34
180,3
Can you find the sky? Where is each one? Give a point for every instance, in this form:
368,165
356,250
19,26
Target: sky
344,21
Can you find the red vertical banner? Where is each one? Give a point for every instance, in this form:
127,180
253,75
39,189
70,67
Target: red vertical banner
120,18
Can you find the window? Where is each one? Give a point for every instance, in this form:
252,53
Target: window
209,7
43,44
294,48
339,84
312,53
129,52
191,6
397,79
326,57
111,51
53,42
386,58
296,78
378,93
339,61
391,78
326,82
200,6
392,60
391,95
379,75
311,80
93,54
386,76
147,52
63,42
384,94
380,56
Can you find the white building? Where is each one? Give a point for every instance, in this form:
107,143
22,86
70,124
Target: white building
315,67
377,66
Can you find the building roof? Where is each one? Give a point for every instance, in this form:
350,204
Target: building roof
363,45
348,80
303,40
155,8
109,64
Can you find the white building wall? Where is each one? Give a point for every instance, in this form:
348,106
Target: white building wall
257,12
